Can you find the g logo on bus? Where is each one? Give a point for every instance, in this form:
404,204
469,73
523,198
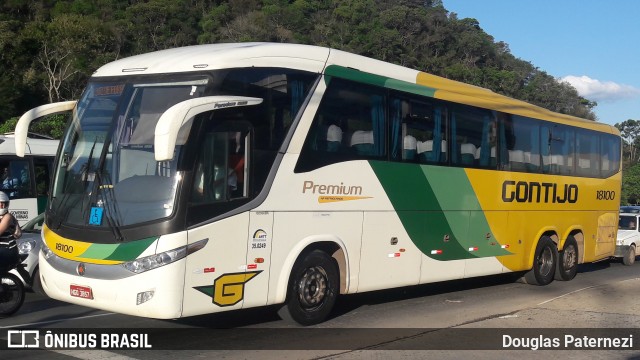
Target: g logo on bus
228,289
81,269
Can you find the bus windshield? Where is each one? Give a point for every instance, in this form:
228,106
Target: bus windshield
107,175
107,169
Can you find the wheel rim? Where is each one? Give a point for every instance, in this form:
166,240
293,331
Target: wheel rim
545,261
312,288
569,257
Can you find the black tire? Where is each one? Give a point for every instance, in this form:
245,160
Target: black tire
630,257
544,263
12,295
36,286
567,260
313,289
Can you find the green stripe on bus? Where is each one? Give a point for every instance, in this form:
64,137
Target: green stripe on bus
377,80
118,252
439,210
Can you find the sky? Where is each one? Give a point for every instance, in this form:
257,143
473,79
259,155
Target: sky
592,44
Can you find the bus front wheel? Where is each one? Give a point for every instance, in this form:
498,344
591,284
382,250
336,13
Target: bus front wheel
313,288
630,257
544,263
567,260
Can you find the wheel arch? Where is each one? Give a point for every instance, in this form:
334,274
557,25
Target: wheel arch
551,233
329,244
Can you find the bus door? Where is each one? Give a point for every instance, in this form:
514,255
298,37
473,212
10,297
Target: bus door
221,271
606,237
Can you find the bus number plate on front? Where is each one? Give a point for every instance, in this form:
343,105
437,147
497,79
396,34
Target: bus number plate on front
81,292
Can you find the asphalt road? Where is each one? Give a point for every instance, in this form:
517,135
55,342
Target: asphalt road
471,318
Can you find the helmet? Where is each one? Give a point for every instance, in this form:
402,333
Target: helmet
4,199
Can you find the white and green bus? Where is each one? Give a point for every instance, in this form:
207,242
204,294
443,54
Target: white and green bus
25,179
227,176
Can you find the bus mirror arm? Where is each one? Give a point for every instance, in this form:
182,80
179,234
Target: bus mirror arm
170,122
22,127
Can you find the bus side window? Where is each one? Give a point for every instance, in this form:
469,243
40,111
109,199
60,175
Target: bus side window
476,137
221,167
350,124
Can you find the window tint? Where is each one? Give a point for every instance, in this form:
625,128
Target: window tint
420,126
587,151
524,153
234,149
350,124
610,160
476,135
357,121
561,145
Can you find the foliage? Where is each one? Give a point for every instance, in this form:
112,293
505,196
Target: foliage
631,185
50,126
49,48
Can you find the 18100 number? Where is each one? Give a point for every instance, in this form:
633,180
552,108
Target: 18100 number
605,195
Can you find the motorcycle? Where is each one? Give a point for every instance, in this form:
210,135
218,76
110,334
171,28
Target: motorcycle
12,290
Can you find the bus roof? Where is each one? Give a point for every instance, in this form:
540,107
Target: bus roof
34,146
319,59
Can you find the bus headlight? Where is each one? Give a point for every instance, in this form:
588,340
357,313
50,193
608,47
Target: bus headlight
157,260
46,251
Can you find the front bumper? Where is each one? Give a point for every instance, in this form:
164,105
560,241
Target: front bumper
621,250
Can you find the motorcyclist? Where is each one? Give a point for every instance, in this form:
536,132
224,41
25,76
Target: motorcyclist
9,231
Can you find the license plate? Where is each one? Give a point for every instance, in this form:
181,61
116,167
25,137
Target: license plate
81,292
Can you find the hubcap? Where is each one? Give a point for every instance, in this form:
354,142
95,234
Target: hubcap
545,262
569,258
312,288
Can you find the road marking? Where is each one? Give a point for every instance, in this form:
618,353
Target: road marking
569,293
575,291
53,321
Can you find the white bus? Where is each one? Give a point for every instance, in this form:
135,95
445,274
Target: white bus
26,179
228,176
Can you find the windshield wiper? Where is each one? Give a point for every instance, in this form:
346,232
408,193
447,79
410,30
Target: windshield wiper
109,202
110,206
86,174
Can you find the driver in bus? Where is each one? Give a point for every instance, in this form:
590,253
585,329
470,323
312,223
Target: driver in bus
217,184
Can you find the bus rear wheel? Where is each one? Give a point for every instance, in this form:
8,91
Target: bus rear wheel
544,263
313,289
567,260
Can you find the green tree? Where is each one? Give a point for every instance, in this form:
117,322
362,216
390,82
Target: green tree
69,49
630,132
49,48
631,185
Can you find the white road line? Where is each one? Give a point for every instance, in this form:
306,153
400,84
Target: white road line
569,293
53,321
575,291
